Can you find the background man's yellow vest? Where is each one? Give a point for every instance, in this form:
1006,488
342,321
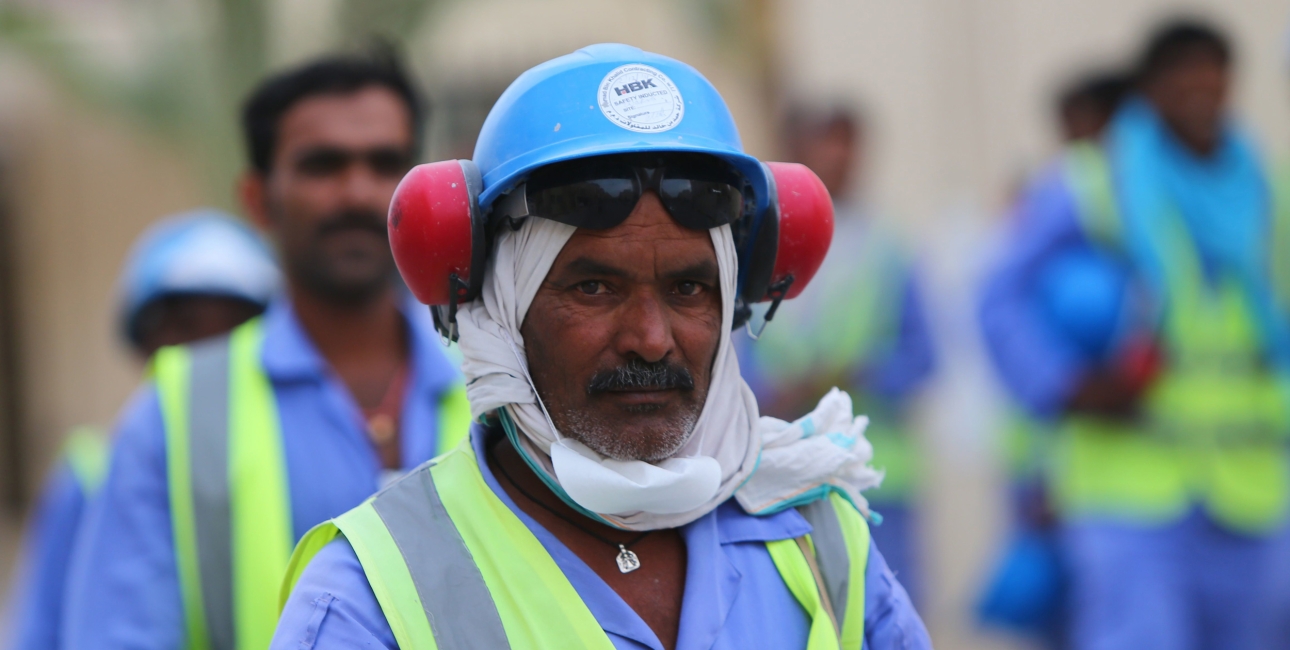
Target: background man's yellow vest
1214,423
230,503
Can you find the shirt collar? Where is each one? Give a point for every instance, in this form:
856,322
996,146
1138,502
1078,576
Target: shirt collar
735,525
290,355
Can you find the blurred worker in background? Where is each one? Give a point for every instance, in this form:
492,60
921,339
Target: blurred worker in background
860,326
1026,592
1085,107
1134,309
192,276
241,444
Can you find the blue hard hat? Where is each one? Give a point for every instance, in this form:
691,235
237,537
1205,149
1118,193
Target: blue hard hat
201,252
606,99
1028,586
1082,294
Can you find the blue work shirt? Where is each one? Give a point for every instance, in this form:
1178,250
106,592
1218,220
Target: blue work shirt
734,595
1040,368
36,600
124,588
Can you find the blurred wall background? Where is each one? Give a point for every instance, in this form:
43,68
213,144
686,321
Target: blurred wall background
116,112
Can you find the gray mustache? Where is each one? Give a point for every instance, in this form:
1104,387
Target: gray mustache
641,375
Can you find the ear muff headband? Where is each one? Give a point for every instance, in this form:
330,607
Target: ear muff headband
439,238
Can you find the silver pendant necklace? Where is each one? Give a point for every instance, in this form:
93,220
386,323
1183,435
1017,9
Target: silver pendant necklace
627,559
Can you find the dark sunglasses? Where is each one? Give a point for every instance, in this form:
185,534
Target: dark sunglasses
392,162
699,191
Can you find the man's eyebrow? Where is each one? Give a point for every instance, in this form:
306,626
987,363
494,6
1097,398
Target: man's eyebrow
706,269
588,266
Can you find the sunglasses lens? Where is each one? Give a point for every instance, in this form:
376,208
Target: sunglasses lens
595,204
700,192
701,204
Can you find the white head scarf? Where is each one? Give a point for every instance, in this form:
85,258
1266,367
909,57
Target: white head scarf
720,455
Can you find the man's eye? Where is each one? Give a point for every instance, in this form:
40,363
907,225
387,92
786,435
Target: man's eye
592,288
323,162
689,288
390,162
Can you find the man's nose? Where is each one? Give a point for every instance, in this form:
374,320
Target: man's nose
644,328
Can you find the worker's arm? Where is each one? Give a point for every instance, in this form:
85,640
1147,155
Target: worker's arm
1039,368
37,595
899,370
123,591
333,590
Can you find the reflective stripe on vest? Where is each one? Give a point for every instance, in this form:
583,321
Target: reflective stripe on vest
453,567
229,501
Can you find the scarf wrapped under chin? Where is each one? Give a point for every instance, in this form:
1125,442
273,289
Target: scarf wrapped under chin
728,430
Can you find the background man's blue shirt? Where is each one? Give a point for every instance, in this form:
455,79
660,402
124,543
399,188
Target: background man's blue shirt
1040,368
734,596
37,595
124,589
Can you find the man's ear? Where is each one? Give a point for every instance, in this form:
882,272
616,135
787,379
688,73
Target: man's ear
252,191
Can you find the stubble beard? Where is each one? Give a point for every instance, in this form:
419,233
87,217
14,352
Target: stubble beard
609,440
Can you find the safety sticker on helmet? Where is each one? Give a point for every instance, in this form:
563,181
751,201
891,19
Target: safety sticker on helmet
640,98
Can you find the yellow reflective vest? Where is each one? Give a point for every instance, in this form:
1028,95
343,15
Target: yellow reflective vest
449,562
230,503
1215,421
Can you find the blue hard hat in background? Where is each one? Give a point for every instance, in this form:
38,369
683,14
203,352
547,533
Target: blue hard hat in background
1028,586
1082,294
606,99
201,252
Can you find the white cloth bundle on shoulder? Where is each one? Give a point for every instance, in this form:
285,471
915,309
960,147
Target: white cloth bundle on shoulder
729,440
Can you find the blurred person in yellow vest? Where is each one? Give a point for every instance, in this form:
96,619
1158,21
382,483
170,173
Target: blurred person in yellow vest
1147,332
189,277
240,444
860,326
1026,591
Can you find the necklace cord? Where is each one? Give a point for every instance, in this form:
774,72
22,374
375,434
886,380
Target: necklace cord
488,449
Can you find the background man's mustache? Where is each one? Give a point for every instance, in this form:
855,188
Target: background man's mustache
641,375
354,220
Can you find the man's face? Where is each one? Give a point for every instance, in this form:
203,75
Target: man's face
182,319
622,335
1191,96
336,163
832,153
1084,119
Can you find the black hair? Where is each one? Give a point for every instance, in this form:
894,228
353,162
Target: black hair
1103,90
1179,40
338,74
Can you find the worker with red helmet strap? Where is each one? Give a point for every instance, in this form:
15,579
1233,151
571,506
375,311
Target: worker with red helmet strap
619,489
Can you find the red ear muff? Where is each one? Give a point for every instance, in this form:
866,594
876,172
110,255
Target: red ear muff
437,234
805,228
791,240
